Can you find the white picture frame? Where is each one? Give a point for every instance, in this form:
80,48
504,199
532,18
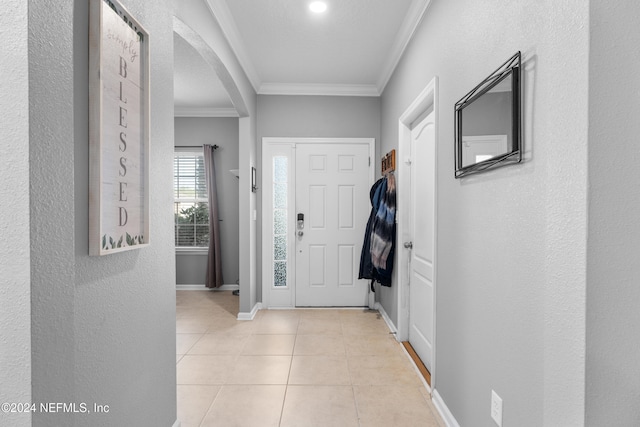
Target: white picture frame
118,130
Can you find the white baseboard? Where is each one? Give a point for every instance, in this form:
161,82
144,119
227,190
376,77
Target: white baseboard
443,410
386,318
177,423
252,314
202,287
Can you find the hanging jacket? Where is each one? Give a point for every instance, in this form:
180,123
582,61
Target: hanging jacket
383,234
376,260
375,195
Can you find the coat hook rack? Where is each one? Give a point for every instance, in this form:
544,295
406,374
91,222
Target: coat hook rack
389,162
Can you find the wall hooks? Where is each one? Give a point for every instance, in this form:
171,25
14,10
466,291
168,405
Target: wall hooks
389,162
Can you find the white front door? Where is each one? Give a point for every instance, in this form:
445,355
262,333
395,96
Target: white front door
332,208
314,262
422,220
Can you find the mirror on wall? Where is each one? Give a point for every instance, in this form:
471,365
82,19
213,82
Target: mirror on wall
487,122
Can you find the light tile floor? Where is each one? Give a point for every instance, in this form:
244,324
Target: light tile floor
324,367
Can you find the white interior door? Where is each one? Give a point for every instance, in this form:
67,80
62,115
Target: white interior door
332,193
422,219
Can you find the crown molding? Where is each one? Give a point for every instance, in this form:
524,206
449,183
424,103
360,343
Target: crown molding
317,89
411,21
222,14
204,112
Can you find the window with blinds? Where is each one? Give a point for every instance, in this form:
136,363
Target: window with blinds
191,205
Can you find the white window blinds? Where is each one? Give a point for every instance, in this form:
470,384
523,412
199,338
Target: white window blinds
191,208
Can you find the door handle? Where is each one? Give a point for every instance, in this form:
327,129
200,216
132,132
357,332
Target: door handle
408,245
300,233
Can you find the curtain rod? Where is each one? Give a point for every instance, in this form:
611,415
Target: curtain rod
215,147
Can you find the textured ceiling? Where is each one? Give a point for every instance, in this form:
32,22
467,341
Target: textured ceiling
351,49
348,44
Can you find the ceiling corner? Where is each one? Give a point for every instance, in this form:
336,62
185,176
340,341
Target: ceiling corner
204,112
405,34
222,15
318,89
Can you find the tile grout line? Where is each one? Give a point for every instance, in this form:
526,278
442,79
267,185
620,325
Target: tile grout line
210,405
192,345
347,323
353,387
286,386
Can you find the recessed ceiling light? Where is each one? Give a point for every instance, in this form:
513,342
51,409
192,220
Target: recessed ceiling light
318,6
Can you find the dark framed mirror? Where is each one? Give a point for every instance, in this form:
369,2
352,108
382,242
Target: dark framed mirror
487,122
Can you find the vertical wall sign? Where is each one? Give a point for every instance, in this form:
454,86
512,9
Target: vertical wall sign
118,130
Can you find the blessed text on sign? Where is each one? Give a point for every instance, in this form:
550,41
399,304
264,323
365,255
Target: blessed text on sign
123,147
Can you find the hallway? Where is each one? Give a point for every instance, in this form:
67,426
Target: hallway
321,367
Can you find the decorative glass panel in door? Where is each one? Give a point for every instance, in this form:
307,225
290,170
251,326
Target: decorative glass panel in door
280,216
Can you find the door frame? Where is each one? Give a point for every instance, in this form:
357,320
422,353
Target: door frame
266,231
426,100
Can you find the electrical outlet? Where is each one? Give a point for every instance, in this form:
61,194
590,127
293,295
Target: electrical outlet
496,408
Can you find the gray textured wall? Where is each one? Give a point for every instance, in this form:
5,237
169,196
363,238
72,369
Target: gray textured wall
511,242
15,292
103,328
315,116
613,294
196,131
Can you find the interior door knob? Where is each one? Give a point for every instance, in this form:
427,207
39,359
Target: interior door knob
300,233
408,245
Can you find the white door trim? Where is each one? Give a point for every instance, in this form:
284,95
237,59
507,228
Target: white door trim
266,231
427,99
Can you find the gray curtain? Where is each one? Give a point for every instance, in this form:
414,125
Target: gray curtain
214,260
